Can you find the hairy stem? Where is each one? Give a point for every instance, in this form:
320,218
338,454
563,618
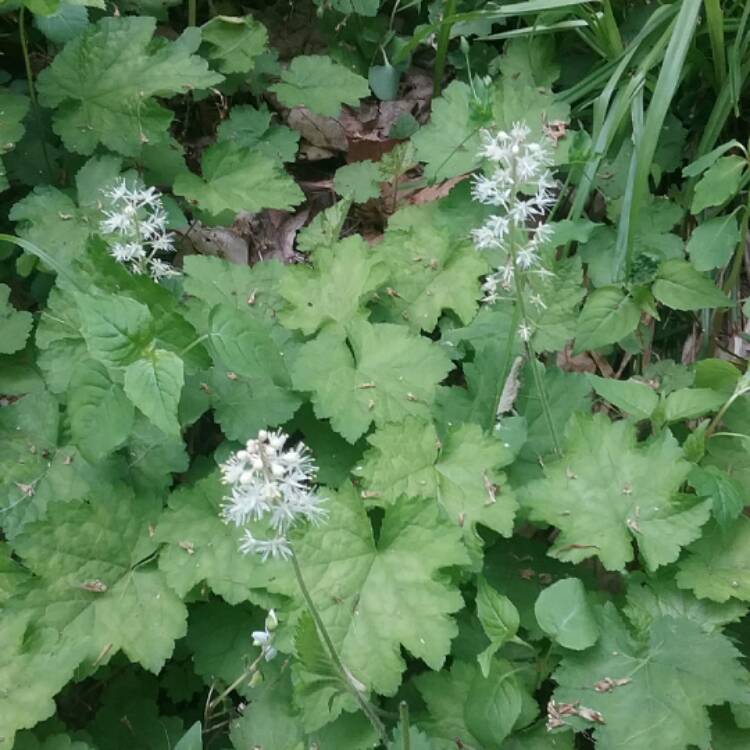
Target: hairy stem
368,710
403,709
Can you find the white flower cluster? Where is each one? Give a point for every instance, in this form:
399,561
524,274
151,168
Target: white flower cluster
271,484
135,226
264,638
522,186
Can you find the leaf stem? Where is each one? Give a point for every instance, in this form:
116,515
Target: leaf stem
403,709
343,672
444,37
247,673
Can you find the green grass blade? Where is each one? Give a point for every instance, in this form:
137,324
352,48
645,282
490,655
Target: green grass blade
666,86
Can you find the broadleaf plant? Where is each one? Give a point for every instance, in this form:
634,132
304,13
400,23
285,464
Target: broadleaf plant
374,375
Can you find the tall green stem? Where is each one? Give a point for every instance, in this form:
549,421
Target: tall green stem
531,356
368,710
444,37
192,12
403,709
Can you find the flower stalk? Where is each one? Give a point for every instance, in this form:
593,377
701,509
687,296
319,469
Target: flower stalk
521,186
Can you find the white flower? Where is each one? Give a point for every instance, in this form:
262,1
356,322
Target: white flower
272,484
264,638
276,547
524,332
527,257
134,226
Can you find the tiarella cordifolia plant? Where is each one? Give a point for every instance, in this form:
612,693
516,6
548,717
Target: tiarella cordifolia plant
521,186
135,228
271,486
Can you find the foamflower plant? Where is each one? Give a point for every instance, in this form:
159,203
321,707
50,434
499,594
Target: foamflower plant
521,187
272,491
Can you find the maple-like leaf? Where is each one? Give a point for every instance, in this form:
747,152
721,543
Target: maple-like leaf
429,272
717,566
103,82
377,596
238,179
408,459
199,546
377,373
92,582
31,674
335,289
233,42
669,677
607,492
320,84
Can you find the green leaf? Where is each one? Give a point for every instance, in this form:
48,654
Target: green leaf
649,598
15,325
671,675
154,385
14,108
361,7
630,396
719,183
407,459
108,597
101,417
499,618
218,282
66,23
238,179
320,690
192,739
690,403
375,597
378,373
449,143
219,641
445,693
712,243
342,281
640,484
717,566
103,82
726,494
608,316
116,329
417,740
681,287
31,675
199,546
234,42
320,84
564,614
359,181
251,128
429,272
270,721
52,220
494,704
